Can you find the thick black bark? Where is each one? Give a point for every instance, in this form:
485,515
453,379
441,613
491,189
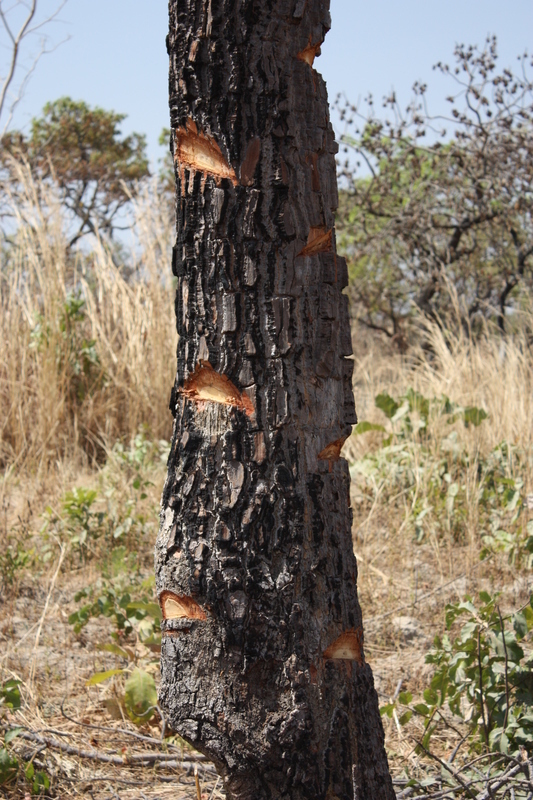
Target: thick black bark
262,661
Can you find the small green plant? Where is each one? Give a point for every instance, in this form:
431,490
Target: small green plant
76,356
77,520
10,694
128,605
38,780
139,696
136,619
13,559
443,484
117,511
9,698
483,677
409,464
9,766
501,496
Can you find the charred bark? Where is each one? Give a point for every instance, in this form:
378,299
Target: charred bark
262,665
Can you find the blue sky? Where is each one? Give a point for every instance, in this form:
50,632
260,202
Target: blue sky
115,56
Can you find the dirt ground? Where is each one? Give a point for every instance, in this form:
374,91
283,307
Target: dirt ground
79,735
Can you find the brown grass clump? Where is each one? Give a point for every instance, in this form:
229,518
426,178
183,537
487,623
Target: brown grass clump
88,345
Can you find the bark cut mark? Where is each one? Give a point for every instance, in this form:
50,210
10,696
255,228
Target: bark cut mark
199,152
318,241
309,53
206,385
349,646
249,164
175,607
312,159
332,451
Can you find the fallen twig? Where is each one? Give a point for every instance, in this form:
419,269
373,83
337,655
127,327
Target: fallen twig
142,737
157,760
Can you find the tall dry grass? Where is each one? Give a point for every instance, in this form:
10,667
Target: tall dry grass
407,570
488,371
88,344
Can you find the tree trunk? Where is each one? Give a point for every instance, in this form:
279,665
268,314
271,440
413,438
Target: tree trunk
262,665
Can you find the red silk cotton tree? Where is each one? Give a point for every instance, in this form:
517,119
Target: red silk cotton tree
262,664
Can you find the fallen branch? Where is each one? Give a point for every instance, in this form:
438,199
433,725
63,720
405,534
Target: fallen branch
156,760
142,737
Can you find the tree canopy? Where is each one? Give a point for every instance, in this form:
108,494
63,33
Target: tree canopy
436,206
81,149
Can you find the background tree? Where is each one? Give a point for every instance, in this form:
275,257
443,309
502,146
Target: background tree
263,666
19,23
81,151
434,204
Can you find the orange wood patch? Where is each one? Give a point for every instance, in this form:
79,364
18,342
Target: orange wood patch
199,152
319,240
206,385
309,53
175,607
349,646
332,451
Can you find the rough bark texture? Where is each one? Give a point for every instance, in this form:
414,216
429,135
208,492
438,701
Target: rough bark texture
262,661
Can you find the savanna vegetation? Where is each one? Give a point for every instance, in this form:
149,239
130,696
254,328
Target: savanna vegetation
437,232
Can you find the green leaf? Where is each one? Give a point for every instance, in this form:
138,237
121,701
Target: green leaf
152,609
405,717
431,697
422,709
41,782
387,709
528,616
11,734
474,416
10,694
100,677
405,697
520,625
364,426
116,649
403,411
8,767
386,404
140,696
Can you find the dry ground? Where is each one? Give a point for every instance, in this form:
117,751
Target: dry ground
403,610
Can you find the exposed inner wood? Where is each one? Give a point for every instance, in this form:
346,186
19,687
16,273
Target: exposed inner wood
319,240
348,646
309,53
175,607
332,451
206,385
199,152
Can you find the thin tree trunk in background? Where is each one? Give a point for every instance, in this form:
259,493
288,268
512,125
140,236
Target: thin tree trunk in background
262,665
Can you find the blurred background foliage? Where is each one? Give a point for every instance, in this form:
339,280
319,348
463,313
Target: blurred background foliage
436,212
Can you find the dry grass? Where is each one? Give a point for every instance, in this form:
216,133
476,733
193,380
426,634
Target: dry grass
88,355
406,580
494,374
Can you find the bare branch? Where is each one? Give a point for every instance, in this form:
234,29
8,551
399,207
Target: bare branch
16,40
